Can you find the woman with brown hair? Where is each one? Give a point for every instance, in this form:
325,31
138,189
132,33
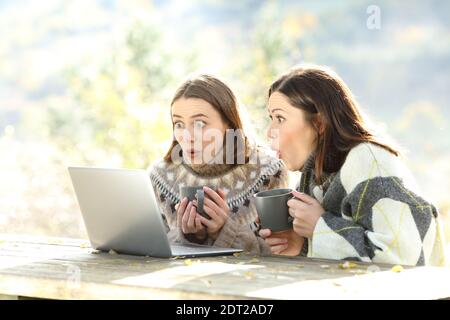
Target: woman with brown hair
355,199
210,148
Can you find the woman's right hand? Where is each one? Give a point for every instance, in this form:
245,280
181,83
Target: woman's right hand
276,244
286,243
188,219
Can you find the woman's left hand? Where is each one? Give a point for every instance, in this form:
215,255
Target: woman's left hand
306,211
217,209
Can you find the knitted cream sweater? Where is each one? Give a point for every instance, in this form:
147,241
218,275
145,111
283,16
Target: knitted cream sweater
373,212
240,183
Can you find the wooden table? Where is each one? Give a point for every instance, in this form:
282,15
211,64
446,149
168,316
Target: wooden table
53,268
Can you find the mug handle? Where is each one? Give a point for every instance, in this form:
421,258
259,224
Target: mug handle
290,219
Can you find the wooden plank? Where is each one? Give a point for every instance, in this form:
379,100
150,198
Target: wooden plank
6,297
67,270
20,238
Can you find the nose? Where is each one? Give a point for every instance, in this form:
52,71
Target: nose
188,135
271,132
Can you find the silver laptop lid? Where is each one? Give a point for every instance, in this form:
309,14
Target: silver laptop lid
119,211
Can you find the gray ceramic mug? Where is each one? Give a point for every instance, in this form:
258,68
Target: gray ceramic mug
272,209
196,193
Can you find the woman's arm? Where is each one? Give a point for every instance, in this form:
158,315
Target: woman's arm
385,224
380,218
235,235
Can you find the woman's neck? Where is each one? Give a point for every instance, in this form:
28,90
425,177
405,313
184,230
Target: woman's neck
309,163
215,167
209,170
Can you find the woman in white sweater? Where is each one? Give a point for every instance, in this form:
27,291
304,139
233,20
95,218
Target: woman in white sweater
356,199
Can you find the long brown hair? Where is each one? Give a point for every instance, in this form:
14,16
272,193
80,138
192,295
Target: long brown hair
332,110
221,98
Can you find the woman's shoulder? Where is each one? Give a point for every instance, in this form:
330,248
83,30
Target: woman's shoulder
262,159
369,161
162,165
370,155
163,175
163,171
263,171
268,168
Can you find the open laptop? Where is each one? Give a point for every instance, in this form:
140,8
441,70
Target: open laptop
120,212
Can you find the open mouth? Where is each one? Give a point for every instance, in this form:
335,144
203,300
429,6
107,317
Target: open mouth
192,153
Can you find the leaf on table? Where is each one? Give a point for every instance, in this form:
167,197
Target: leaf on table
347,265
207,282
397,268
178,257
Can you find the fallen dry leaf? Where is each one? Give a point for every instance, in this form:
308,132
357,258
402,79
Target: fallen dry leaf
207,282
188,262
237,254
347,265
254,260
249,275
397,268
112,252
178,257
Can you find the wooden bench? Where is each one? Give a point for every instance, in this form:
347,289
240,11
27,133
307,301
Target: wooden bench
51,268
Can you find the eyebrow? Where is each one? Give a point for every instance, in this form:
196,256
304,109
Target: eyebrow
193,116
199,115
277,109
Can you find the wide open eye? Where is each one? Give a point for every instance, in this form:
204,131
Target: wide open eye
199,123
178,125
280,119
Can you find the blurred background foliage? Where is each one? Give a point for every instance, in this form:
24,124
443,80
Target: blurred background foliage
90,83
